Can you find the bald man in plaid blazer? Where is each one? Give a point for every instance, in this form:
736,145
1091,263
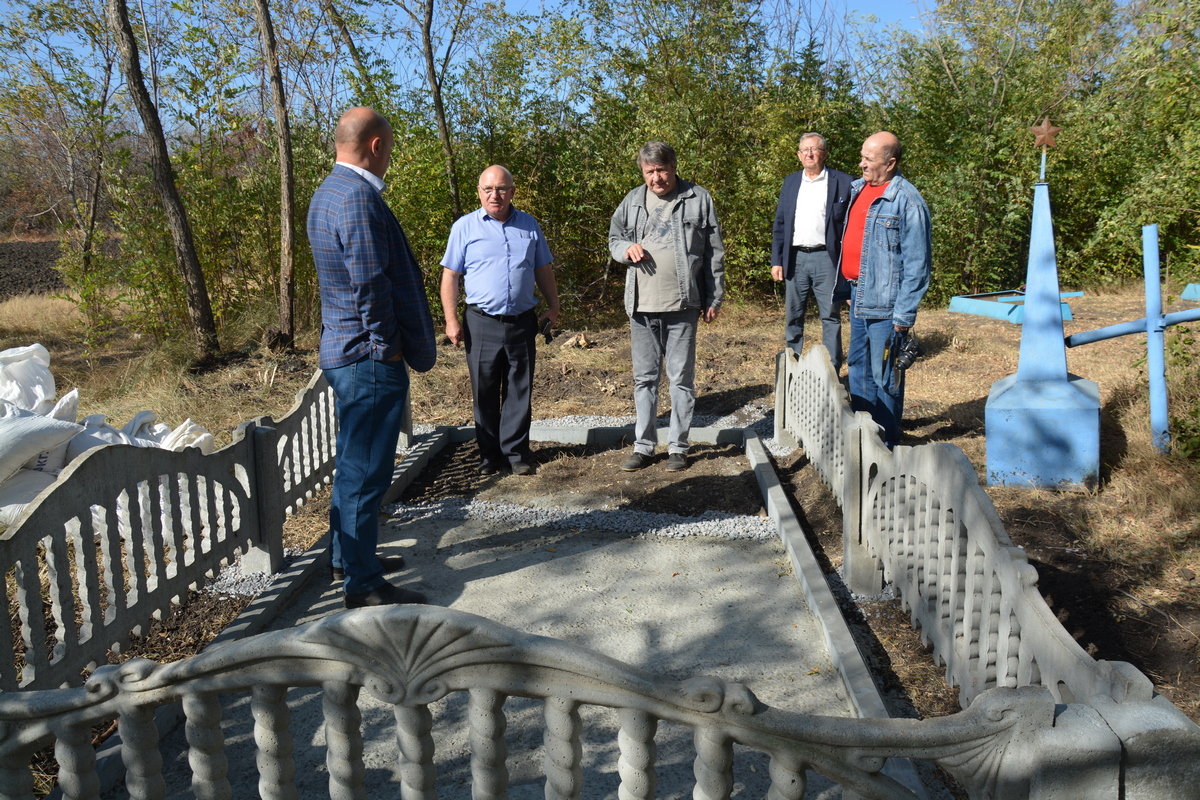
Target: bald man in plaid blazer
374,320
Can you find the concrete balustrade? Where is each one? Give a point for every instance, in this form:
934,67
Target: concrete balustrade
917,518
1010,742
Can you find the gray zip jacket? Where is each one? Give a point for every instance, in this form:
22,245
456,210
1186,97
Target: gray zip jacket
699,251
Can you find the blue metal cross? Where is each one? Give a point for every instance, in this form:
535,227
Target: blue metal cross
1153,325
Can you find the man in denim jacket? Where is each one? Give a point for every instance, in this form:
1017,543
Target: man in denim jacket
886,257
667,233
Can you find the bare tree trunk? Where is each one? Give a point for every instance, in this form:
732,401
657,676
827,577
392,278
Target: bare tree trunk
439,108
371,95
203,325
287,183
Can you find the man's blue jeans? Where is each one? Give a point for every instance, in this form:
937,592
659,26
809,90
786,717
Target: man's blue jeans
656,338
871,375
370,397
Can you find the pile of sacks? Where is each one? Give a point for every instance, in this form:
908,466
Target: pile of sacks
40,436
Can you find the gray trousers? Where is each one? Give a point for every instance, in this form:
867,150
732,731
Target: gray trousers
664,338
813,275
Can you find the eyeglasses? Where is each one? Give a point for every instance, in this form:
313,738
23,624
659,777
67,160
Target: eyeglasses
808,151
495,189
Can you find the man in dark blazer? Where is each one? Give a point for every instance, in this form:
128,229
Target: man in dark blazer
806,244
374,320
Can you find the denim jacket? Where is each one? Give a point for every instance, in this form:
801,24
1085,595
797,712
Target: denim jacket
697,235
896,256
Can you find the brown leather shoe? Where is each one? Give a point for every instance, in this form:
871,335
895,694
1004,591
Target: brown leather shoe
385,595
389,564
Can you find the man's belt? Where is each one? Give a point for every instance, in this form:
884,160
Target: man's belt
803,249
502,317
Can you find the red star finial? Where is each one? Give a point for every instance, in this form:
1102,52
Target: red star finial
1045,133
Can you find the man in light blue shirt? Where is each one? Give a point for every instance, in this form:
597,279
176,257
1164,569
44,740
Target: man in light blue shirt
502,255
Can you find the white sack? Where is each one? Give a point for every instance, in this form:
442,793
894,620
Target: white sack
19,491
96,433
145,430
54,459
24,434
189,434
67,407
25,379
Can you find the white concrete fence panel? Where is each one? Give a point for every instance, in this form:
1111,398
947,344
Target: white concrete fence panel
125,532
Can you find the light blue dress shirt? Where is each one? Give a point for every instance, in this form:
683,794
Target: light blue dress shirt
497,259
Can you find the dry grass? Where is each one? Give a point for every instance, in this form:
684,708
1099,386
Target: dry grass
34,315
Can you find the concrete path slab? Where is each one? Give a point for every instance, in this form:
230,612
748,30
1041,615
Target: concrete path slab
681,607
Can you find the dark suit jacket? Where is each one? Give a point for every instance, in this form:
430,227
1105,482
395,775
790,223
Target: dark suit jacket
372,291
837,204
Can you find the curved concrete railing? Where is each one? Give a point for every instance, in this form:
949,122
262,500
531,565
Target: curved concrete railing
1012,743
126,531
918,518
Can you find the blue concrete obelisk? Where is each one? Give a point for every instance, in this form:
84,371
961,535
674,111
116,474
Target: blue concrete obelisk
1043,424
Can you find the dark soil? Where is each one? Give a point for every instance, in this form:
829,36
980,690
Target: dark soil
28,268
718,478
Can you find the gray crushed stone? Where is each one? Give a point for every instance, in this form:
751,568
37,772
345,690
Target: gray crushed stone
232,582
673,526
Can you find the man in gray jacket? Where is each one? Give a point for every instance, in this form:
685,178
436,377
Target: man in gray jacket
666,233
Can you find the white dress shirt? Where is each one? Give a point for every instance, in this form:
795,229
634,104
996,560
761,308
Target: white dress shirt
809,227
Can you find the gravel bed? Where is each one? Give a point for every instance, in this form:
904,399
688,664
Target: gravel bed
710,523
231,581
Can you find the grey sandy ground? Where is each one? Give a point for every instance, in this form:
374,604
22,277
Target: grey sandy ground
678,607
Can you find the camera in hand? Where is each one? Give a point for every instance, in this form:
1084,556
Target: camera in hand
910,351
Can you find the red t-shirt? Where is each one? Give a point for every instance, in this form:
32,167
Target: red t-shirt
856,225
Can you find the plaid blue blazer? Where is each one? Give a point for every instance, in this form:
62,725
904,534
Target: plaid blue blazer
372,291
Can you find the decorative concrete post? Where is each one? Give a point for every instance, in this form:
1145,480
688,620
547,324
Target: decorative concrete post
265,551
1043,424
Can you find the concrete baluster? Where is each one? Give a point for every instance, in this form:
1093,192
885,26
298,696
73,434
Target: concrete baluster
714,764
16,780
139,752
343,742
788,782
414,739
77,763
206,746
638,755
564,751
276,767
485,715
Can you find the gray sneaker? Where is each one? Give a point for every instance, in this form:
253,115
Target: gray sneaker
637,461
676,462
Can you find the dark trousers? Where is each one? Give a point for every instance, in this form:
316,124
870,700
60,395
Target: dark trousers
813,274
500,359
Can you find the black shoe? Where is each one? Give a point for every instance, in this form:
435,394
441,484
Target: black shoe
676,462
385,595
488,468
389,564
521,468
637,461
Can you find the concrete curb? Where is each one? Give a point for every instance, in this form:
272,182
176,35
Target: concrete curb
838,640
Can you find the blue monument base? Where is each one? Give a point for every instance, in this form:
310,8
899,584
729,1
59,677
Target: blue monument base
1043,433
